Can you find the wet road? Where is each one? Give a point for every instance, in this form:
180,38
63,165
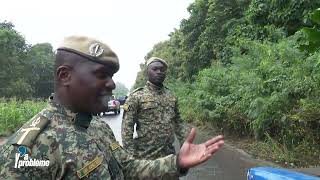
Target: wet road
228,164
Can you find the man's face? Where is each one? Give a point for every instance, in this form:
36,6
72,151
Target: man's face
156,72
90,87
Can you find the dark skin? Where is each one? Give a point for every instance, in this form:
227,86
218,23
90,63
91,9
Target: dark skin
156,73
197,153
81,85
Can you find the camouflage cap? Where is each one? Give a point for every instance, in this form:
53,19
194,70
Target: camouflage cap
155,59
91,49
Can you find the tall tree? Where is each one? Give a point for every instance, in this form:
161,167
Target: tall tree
27,70
41,62
121,90
13,52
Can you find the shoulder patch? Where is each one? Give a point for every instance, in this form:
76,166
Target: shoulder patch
126,107
30,130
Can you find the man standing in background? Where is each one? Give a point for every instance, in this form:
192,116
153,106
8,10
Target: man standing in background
66,141
155,112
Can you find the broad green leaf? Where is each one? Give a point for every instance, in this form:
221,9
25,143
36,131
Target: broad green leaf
315,16
312,34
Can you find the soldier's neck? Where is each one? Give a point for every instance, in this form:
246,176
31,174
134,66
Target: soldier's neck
157,86
81,119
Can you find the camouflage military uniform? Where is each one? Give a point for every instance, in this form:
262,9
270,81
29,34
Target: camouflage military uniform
156,113
75,150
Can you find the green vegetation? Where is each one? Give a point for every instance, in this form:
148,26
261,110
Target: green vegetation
121,90
250,68
312,33
26,74
26,70
14,113
247,68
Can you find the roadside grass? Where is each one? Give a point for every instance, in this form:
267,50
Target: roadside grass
302,155
14,113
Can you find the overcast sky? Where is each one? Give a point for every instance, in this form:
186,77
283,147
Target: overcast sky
130,28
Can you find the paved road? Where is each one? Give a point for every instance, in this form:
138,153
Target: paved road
228,164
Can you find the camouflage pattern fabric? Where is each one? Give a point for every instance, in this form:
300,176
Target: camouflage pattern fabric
155,111
75,150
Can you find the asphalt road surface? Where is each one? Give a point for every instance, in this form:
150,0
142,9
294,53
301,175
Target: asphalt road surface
227,164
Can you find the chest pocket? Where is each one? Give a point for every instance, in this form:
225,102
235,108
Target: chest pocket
169,106
90,159
149,111
114,168
103,166
148,105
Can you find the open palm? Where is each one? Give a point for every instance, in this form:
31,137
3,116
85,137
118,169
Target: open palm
191,154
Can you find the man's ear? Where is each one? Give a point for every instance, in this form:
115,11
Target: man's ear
64,75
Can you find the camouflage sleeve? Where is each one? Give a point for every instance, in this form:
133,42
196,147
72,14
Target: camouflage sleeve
133,168
161,168
129,119
39,165
180,131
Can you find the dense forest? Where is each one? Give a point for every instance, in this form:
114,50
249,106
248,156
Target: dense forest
250,68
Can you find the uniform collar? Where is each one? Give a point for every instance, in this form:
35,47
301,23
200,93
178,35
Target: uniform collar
79,119
154,87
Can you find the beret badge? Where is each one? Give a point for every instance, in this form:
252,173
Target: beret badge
95,49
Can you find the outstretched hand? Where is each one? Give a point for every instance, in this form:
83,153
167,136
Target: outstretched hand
191,154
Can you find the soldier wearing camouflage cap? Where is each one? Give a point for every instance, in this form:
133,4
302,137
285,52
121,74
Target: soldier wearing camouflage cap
155,111
65,140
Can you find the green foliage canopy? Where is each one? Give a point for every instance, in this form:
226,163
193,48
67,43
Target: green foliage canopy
245,67
27,71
